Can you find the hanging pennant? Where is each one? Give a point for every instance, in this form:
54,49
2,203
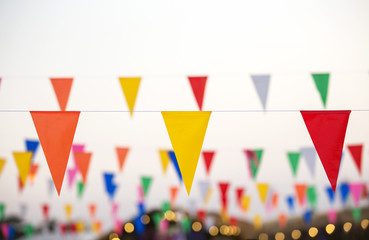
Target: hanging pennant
301,193
130,89
173,158
321,81
2,212
71,173
291,203
208,159
32,146
356,190
83,162
330,194
312,196
23,161
80,189
282,220
56,132
164,158
198,85
186,132
356,213
146,182
62,88
122,154
332,216
92,209
258,224
45,211
246,203
327,130
275,200
344,192
239,194
308,217
254,160
356,153
223,187
203,187
173,194
263,191
294,159
110,186
33,171
68,211
309,154
77,147
2,164
261,84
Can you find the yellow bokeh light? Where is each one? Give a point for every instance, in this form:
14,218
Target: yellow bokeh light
213,231
145,219
237,231
196,226
313,231
224,230
115,239
113,236
263,236
330,228
296,234
364,223
170,215
129,228
347,226
279,236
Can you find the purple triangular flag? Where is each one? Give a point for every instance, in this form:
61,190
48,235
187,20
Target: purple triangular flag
309,154
261,83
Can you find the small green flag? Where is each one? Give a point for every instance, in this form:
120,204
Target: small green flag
28,230
255,163
156,217
2,211
356,213
186,225
312,196
321,82
80,188
294,158
165,206
145,181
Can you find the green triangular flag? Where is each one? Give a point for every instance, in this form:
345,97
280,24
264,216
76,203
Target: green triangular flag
165,206
80,188
294,158
28,230
356,213
156,217
321,82
312,196
254,167
145,182
186,225
2,211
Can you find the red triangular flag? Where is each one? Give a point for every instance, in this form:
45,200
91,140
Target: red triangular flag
356,153
122,154
56,132
223,186
239,194
83,162
327,130
198,87
62,88
208,159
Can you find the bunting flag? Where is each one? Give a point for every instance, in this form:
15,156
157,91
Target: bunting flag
294,159
356,153
344,188
173,194
282,220
32,146
45,211
23,161
223,187
258,224
122,154
5,230
186,131
291,203
208,159
23,210
327,130
118,227
332,216
263,191
71,173
140,194
321,81
301,193
77,147
173,158
2,164
246,203
92,210
330,194
114,209
203,187
356,190
62,88
261,83
308,217
146,182
68,211
254,160
20,184
198,85
201,215
28,230
2,211
239,194
130,89
208,195
164,158
33,171
83,162
51,186
110,186
309,154
312,196
275,200
80,189
356,213
55,131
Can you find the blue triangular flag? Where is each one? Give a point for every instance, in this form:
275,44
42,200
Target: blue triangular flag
291,203
172,156
110,186
31,146
141,209
344,188
261,83
309,154
308,217
330,194
139,226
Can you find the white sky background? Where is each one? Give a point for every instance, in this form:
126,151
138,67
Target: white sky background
164,41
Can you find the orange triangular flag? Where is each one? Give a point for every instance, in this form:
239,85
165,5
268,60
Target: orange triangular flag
301,193
2,163
62,88
23,161
173,195
56,132
122,154
83,162
33,171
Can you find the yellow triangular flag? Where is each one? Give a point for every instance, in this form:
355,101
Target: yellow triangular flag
186,132
258,224
68,211
245,203
164,159
263,190
23,161
130,88
2,163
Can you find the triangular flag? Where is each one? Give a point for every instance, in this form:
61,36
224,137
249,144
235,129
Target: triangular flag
56,132
291,203
301,193
173,158
2,164
140,194
23,210
246,203
321,82
186,132
146,182
208,159
332,216
80,188
312,196
110,186
173,194
32,146
164,158
239,194
77,147
294,159
327,130
356,213
114,209
356,153
263,190
51,186
344,192
28,230
71,173
254,160
201,215
258,224
68,211
45,211
92,209
330,194
356,191
33,171
23,161
5,230
309,154
203,187
308,217
122,154
198,85
282,220
130,89
62,88
83,162
208,195
2,211
261,83
20,184
223,187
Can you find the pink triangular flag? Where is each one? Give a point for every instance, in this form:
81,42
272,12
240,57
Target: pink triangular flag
332,216
71,176
356,191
